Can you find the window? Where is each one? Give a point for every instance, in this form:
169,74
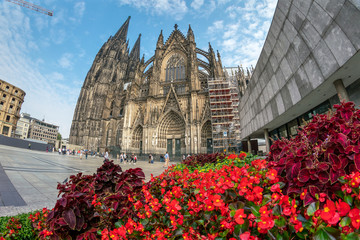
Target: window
7,88
5,130
4,96
283,132
293,127
16,92
1,105
7,118
175,69
112,108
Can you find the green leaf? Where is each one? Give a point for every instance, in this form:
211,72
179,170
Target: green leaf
99,232
118,224
348,199
144,221
327,233
255,211
350,236
200,222
237,229
345,221
311,209
280,222
232,213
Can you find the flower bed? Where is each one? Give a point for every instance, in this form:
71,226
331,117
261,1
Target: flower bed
307,188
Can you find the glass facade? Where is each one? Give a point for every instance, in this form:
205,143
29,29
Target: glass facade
290,129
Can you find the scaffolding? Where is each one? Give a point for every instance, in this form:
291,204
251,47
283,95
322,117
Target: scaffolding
224,107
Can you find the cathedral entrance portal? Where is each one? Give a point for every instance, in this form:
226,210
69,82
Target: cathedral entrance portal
137,139
171,132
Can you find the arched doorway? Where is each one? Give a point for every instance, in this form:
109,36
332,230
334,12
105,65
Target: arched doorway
206,138
171,134
137,136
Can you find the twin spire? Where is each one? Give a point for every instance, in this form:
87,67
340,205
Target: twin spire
121,35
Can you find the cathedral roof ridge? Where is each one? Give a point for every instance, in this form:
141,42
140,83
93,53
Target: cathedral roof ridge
172,34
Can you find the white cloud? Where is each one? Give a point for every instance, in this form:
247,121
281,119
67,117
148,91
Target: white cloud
43,97
196,4
79,9
66,60
175,8
215,27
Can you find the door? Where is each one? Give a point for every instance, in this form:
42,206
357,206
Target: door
177,147
140,144
170,147
209,145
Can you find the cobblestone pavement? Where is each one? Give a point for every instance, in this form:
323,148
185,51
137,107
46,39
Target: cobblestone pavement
28,179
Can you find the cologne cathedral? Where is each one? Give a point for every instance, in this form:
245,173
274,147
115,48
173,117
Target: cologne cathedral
155,106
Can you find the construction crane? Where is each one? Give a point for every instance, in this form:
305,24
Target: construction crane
32,7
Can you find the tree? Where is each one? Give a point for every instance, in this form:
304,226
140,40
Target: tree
59,137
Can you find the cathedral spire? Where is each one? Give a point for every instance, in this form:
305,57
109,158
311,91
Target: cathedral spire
210,48
219,58
160,41
135,52
122,32
190,34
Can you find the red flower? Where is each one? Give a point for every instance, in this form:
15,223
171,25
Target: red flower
217,201
354,214
342,207
245,236
173,207
242,155
275,188
239,215
329,213
266,223
271,174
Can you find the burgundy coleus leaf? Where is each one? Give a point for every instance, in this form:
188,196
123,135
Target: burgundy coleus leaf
313,190
323,166
357,160
323,177
335,174
352,168
62,201
80,223
308,199
352,148
342,139
295,190
304,175
70,218
292,170
335,161
61,222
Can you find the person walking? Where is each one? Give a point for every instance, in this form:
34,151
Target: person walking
151,159
135,159
132,158
125,158
167,160
59,151
86,154
106,155
121,158
81,153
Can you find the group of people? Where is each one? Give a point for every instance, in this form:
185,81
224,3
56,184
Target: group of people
123,158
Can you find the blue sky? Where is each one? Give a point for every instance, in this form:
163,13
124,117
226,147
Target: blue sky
49,57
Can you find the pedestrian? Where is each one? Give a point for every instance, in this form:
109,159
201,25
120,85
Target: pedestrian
117,157
151,159
167,160
132,158
121,158
184,157
106,156
29,146
59,151
86,154
81,153
125,158
135,159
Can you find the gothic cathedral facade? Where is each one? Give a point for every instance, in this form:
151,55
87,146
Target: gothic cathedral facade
131,105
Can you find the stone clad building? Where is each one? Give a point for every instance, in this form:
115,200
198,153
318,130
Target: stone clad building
135,106
11,99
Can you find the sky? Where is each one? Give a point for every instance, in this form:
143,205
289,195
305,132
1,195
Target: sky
49,56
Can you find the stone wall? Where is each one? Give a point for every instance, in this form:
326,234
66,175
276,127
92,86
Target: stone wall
308,43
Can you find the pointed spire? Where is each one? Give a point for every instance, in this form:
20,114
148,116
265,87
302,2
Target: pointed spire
122,32
210,48
160,41
142,59
190,34
135,52
219,58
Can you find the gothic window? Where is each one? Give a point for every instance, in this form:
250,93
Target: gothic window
175,69
112,108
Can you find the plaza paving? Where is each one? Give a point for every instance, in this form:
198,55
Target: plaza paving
28,179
